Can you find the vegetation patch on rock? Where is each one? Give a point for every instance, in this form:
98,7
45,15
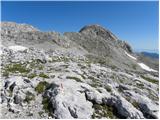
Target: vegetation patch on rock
149,79
103,111
32,75
41,87
43,75
47,106
15,67
74,78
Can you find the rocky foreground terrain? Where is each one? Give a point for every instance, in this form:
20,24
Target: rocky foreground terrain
85,74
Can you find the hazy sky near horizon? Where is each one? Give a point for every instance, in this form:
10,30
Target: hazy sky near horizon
135,22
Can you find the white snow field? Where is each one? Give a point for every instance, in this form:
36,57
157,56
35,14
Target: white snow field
130,56
17,48
145,67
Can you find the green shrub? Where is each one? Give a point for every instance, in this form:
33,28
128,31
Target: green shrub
41,87
74,78
32,75
47,106
45,103
16,68
103,111
43,75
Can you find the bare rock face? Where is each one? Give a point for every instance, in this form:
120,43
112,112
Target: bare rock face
125,46
68,102
11,27
89,74
99,31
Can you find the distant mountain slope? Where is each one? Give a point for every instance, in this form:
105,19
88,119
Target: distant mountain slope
92,41
151,59
102,44
152,55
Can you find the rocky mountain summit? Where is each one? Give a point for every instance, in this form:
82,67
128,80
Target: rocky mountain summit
85,74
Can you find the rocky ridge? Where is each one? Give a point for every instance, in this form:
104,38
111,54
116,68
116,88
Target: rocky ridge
49,75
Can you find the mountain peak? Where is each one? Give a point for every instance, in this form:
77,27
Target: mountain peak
99,31
93,26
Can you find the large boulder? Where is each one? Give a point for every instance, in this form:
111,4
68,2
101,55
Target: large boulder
69,101
124,108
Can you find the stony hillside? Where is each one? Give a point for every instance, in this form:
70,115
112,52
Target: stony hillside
89,74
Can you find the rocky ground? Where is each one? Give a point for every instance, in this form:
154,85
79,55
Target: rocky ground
66,81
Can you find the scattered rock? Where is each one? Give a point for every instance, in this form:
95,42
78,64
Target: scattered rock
75,75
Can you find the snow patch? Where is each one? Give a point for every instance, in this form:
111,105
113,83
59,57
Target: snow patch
1,52
130,56
145,67
17,48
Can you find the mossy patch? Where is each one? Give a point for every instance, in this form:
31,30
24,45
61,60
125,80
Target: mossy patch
41,87
74,78
103,111
149,79
32,75
47,106
45,103
16,67
43,75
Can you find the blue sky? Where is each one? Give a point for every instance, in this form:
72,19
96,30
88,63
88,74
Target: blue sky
135,22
